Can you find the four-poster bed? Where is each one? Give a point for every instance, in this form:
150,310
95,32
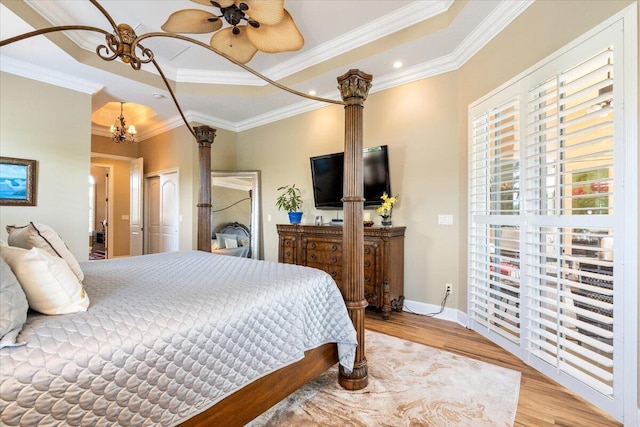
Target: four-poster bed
354,86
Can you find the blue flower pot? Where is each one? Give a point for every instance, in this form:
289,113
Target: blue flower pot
295,217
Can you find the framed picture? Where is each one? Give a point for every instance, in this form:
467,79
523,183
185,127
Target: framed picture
17,182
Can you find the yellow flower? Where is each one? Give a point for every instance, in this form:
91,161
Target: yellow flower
385,208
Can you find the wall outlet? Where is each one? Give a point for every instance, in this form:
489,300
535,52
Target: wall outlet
449,289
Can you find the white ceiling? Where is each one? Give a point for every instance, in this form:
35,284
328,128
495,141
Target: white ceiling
428,36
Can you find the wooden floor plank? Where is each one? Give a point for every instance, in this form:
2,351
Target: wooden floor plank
542,402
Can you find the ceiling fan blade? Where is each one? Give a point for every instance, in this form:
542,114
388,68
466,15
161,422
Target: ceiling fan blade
266,12
222,3
191,21
236,46
282,37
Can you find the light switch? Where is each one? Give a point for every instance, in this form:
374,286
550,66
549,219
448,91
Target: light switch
445,219
125,217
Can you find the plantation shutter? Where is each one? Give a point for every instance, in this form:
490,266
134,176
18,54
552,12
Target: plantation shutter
570,202
495,204
546,168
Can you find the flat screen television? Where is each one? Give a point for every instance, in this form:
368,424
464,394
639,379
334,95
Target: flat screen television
327,176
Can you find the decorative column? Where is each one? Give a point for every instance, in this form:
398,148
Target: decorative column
354,87
205,136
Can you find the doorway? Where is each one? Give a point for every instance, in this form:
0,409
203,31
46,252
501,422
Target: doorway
99,211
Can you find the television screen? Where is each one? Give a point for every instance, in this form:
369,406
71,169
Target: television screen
327,175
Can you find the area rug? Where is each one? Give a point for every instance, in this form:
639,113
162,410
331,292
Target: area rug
409,385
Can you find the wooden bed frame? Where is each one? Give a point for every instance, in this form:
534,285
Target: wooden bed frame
122,43
269,390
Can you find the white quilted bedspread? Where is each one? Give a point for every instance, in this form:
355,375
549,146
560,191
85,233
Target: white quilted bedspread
166,337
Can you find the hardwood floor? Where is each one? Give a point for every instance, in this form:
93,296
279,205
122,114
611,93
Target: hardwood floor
542,401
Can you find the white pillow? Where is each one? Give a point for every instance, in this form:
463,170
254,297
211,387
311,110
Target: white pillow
230,243
13,306
48,282
43,237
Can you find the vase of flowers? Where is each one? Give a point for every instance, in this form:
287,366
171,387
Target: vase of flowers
386,208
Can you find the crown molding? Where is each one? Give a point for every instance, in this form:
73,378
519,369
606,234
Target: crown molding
46,75
284,113
197,117
173,123
403,17
490,27
57,16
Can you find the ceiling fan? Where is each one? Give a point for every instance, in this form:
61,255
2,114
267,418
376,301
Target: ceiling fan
269,27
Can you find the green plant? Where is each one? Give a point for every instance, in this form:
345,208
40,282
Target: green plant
290,200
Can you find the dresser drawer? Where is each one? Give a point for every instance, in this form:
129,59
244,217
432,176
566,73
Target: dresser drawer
323,257
323,246
287,250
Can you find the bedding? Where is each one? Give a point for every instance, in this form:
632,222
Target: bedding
166,337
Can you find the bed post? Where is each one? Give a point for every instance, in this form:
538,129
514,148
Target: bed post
354,87
205,136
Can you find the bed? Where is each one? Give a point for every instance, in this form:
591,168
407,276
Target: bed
166,337
232,239
122,43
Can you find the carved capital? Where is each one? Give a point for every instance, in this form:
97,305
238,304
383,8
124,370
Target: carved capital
354,86
205,135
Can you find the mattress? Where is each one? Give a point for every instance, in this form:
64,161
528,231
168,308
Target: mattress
166,337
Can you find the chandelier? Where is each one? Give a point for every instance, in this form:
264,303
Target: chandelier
119,131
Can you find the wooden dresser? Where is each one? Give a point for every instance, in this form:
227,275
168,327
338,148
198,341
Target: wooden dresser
320,246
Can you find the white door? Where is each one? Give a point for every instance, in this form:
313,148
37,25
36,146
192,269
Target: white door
135,215
164,217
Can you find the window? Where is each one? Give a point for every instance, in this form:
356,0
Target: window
546,218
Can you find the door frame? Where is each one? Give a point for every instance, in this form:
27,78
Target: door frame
111,167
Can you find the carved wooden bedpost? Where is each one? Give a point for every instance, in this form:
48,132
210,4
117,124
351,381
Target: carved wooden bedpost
354,87
205,136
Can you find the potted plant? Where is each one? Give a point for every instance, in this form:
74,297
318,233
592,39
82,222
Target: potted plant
290,200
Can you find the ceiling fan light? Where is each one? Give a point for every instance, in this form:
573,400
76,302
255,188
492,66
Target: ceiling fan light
192,21
283,37
237,46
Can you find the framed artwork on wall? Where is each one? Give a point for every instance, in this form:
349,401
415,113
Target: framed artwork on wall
17,182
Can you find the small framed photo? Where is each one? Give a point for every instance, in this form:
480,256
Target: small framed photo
17,182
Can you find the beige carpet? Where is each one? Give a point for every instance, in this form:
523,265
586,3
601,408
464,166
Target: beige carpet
409,385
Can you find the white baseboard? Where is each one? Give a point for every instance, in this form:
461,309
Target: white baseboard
450,314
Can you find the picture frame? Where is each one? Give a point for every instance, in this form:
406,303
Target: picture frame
17,182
